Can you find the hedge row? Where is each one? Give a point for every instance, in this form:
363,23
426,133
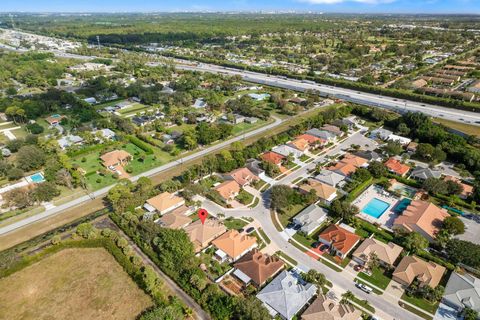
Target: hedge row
428,256
139,143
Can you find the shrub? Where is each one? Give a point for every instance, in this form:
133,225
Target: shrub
139,143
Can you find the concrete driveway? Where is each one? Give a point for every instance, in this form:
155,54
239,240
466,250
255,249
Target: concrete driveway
472,231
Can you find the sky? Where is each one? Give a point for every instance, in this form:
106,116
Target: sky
356,6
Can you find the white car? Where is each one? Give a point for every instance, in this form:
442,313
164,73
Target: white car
363,287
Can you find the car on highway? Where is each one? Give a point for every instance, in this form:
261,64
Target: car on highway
363,287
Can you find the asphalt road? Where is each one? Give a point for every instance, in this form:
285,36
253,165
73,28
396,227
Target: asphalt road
398,105
386,305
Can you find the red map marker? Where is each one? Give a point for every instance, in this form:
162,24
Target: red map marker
202,214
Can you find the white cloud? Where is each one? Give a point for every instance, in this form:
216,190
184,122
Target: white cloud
342,1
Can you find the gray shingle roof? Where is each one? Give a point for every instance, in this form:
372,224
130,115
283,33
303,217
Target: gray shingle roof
329,177
310,218
463,291
286,295
425,173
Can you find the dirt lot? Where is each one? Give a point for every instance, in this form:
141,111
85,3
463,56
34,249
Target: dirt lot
72,284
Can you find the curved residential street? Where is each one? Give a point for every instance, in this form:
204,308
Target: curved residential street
386,305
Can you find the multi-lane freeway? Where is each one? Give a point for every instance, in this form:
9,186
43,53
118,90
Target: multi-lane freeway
399,105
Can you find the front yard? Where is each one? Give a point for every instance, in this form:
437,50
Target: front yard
244,197
379,277
421,303
286,215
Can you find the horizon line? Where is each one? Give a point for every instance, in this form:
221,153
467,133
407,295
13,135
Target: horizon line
246,12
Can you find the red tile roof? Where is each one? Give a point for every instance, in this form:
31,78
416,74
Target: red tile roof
397,167
272,157
342,240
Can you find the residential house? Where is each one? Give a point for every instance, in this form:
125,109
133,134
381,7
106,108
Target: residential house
396,167
115,158
381,134
90,100
123,105
369,155
202,234
199,104
332,129
257,267
273,158
467,189
232,245
462,291
68,141
313,141
55,119
325,192
238,118
387,253
228,190
412,267
423,174
251,120
259,97
177,219
285,151
324,308
422,217
412,147
310,218
330,177
402,140
348,164
254,166
164,203
340,240
298,100
321,134
107,134
285,295
243,176
299,144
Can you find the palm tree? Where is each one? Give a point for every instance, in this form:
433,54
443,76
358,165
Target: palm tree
347,297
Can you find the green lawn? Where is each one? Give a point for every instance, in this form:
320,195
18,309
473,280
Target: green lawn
232,223
245,127
285,257
364,304
244,197
264,235
286,215
378,278
421,303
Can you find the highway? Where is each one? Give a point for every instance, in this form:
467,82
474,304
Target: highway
398,105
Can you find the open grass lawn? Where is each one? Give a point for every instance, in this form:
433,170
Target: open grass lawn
378,278
421,303
134,108
72,284
463,127
287,215
245,127
232,223
244,197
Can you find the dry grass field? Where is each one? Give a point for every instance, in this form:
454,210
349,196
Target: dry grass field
72,284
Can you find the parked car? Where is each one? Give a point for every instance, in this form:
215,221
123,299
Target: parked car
363,287
250,230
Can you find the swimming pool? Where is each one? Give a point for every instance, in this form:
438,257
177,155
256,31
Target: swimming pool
375,208
404,190
36,178
402,205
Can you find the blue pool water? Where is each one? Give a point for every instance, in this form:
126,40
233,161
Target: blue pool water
402,205
37,177
375,208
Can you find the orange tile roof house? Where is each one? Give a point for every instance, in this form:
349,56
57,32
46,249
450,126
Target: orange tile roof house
299,144
467,189
397,167
340,240
412,267
324,191
203,234
257,267
228,190
174,220
243,176
233,245
115,158
273,158
324,308
422,217
349,164
163,203
312,140
387,253
55,119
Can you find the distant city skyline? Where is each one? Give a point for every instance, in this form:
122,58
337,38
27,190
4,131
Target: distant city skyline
347,6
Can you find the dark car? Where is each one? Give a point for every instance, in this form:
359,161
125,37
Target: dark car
291,225
250,230
297,227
